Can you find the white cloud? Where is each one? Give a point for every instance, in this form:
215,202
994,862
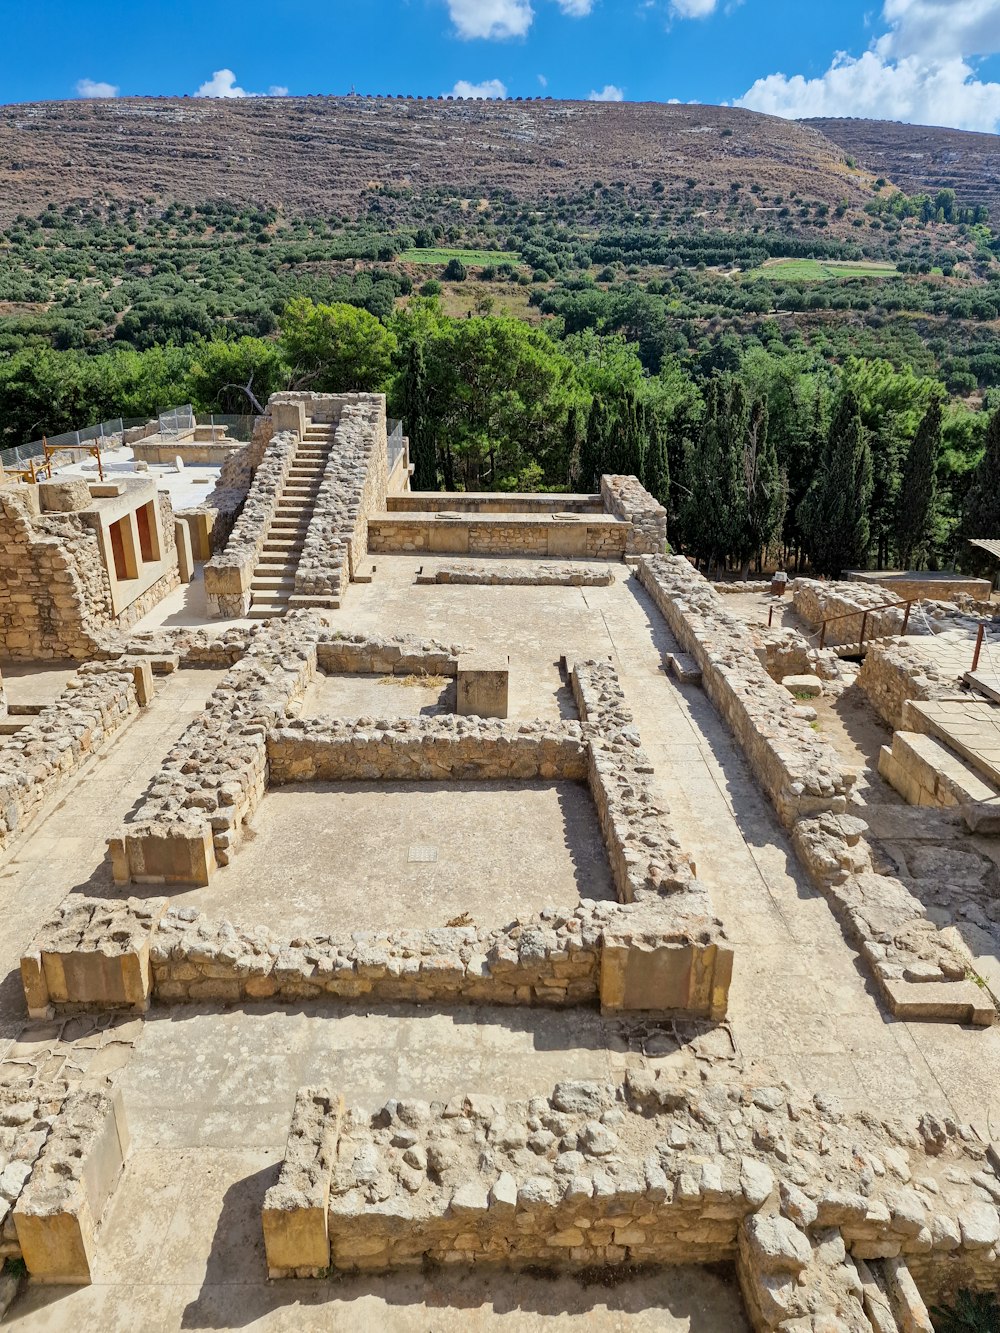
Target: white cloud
940,28
918,71
694,9
491,18
223,84
90,88
609,93
488,88
543,80
499,19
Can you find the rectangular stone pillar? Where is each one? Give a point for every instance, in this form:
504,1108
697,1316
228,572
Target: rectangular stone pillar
185,556
482,686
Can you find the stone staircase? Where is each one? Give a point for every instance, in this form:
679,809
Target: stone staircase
274,576
945,757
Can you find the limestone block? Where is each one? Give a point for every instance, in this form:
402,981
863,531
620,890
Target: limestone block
289,416
808,685
177,853
60,1208
482,687
142,674
294,1215
185,555
64,496
665,977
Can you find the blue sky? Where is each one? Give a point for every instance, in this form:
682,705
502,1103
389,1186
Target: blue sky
928,61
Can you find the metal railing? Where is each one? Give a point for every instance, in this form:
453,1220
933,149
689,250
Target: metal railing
176,421
105,435
864,614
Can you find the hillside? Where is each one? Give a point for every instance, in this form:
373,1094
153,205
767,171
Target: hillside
326,154
923,158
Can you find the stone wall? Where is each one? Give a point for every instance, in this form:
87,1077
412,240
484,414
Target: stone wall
929,587
354,486
41,756
508,534
228,574
816,602
920,969
796,767
899,670
493,502
628,499
801,1195
521,575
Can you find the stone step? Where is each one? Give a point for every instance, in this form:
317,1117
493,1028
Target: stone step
268,584
265,612
684,667
965,725
927,773
12,726
319,601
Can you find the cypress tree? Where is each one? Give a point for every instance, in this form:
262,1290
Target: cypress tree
656,474
592,448
413,394
707,510
982,506
764,485
835,512
572,444
918,490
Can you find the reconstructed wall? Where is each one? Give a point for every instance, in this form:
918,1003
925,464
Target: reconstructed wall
812,1204
500,534
229,573
627,499
928,587
899,670
354,486
490,502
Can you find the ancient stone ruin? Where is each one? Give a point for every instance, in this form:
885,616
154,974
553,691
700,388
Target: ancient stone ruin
451,899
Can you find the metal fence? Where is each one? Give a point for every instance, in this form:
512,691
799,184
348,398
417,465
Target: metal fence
106,435
237,427
176,421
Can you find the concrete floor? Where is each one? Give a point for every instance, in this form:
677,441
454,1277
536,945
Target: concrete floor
209,1091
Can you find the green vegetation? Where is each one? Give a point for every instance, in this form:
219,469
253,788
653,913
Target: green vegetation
971,1313
436,255
813,270
706,339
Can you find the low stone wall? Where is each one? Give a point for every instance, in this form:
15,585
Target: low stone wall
628,499
424,749
503,534
354,486
929,587
796,767
493,502
521,576
816,602
65,1150
660,948
786,652
40,757
210,783
228,574
897,671
401,655
920,970
199,453
648,1172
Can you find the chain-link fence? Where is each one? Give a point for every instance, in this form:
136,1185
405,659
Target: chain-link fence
237,427
106,435
177,421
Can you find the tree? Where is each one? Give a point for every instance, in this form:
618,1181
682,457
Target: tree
835,513
712,513
455,271
982,506
764,488
335,348
235,376
917,493
412,390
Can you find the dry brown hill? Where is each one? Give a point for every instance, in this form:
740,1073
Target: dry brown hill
321,154
921,158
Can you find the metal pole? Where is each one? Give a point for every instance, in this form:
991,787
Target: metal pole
770,616
864,626
906,617
979,647
822,637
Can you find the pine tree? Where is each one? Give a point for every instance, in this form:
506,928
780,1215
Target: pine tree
835,512
918,491
765,488
413,396
982,506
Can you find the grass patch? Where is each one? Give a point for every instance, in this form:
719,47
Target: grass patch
416,682
817,270
479,257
